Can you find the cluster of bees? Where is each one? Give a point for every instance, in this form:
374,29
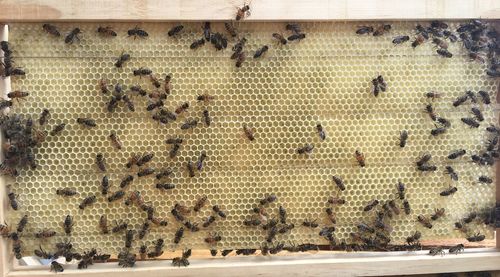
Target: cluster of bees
478,38
22,135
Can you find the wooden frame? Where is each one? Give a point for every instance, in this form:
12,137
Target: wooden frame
184,10
320,264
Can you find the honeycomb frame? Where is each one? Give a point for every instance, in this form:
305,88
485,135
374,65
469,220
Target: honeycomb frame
231,118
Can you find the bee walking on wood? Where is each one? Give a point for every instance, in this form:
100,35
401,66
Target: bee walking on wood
243,12
106,31
175,30
137,32
51,29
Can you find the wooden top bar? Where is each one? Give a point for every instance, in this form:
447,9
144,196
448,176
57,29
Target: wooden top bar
261,10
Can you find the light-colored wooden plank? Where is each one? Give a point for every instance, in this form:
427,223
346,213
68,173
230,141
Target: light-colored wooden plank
178,10
358,264
5,260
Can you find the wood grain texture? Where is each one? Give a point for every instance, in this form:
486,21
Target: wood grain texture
5,255
178,10
353,264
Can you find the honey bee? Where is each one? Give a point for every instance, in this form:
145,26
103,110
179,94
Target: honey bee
363,30
310,224
116,196
165,186
181,208
338,181
438,213
260,52
485,179
206,30
218,211
444,53
200,203
418,40
279,37
424,221
477,113
175,30
145,172
438,131
364,228
164,173
296,37
440,43
175,149
14,204
273,231
360,158
139,90
400,39
453,174
89,200
476,237
132,160
125,258
178,261
371,205
115,141
456,154
119,227
268,200
230,29
56,267
106,31
44,117
403,137
18,94
51,29
146,158
46,233
178,235
193,227
66,192
126,181
306,149
414,237
20,226
68,224
166,83
249,133
407,207
86,122
58,129
136,32
182,108
206,118
251,222
129,236
433,95
436,250
430,111
243,12
103,224
382,30
335,201
189,124
485,97
177,215
240,58
208,221
471,122
72,36
427,168
456,249
470,217
197,43
142,71
124,57
201,159
213,238
100,162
